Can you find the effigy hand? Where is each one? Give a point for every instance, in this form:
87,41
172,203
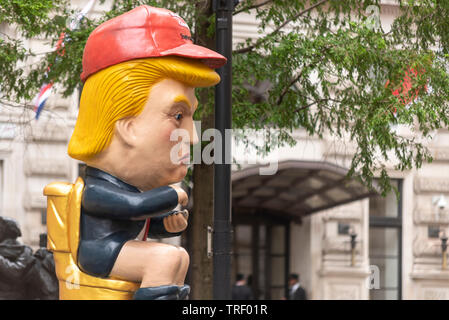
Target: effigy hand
183,199
176,222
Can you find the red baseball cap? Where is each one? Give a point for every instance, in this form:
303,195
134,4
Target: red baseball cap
142,33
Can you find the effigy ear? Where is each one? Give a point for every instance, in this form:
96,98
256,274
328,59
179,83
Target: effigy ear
125,131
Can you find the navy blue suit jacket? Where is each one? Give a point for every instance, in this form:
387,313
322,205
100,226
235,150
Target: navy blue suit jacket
112,213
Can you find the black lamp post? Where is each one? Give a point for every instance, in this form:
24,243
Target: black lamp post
353,242
444,250
222,242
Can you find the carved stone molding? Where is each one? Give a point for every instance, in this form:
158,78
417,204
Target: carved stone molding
432,275
6,146
57,101
34,200
344,272
47,133
440,185
431,285
435,294
344,292
338,261
423,247
440,154
424,215
338,290
392,3
343,216
333,245
8,131
342,149
389,9
46,167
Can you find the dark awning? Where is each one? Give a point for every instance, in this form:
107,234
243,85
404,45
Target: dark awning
297,189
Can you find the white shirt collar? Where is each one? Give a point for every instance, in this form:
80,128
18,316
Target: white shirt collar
295,286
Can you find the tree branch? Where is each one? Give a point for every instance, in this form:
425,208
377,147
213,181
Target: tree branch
315,102
292,82
260,40
284,92
16,104
251,7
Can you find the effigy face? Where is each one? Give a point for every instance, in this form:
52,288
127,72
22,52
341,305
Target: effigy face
153,138
169,108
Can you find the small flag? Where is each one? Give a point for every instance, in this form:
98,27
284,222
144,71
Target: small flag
41,98
404,91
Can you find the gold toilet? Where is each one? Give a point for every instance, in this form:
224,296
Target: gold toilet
63,223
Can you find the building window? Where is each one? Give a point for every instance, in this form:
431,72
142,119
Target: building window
433,232
343,228
385,243
261,252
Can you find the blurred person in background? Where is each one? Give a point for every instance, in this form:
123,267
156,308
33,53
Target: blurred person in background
240,290
296,292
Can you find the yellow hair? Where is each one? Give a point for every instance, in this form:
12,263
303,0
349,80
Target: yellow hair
121,91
